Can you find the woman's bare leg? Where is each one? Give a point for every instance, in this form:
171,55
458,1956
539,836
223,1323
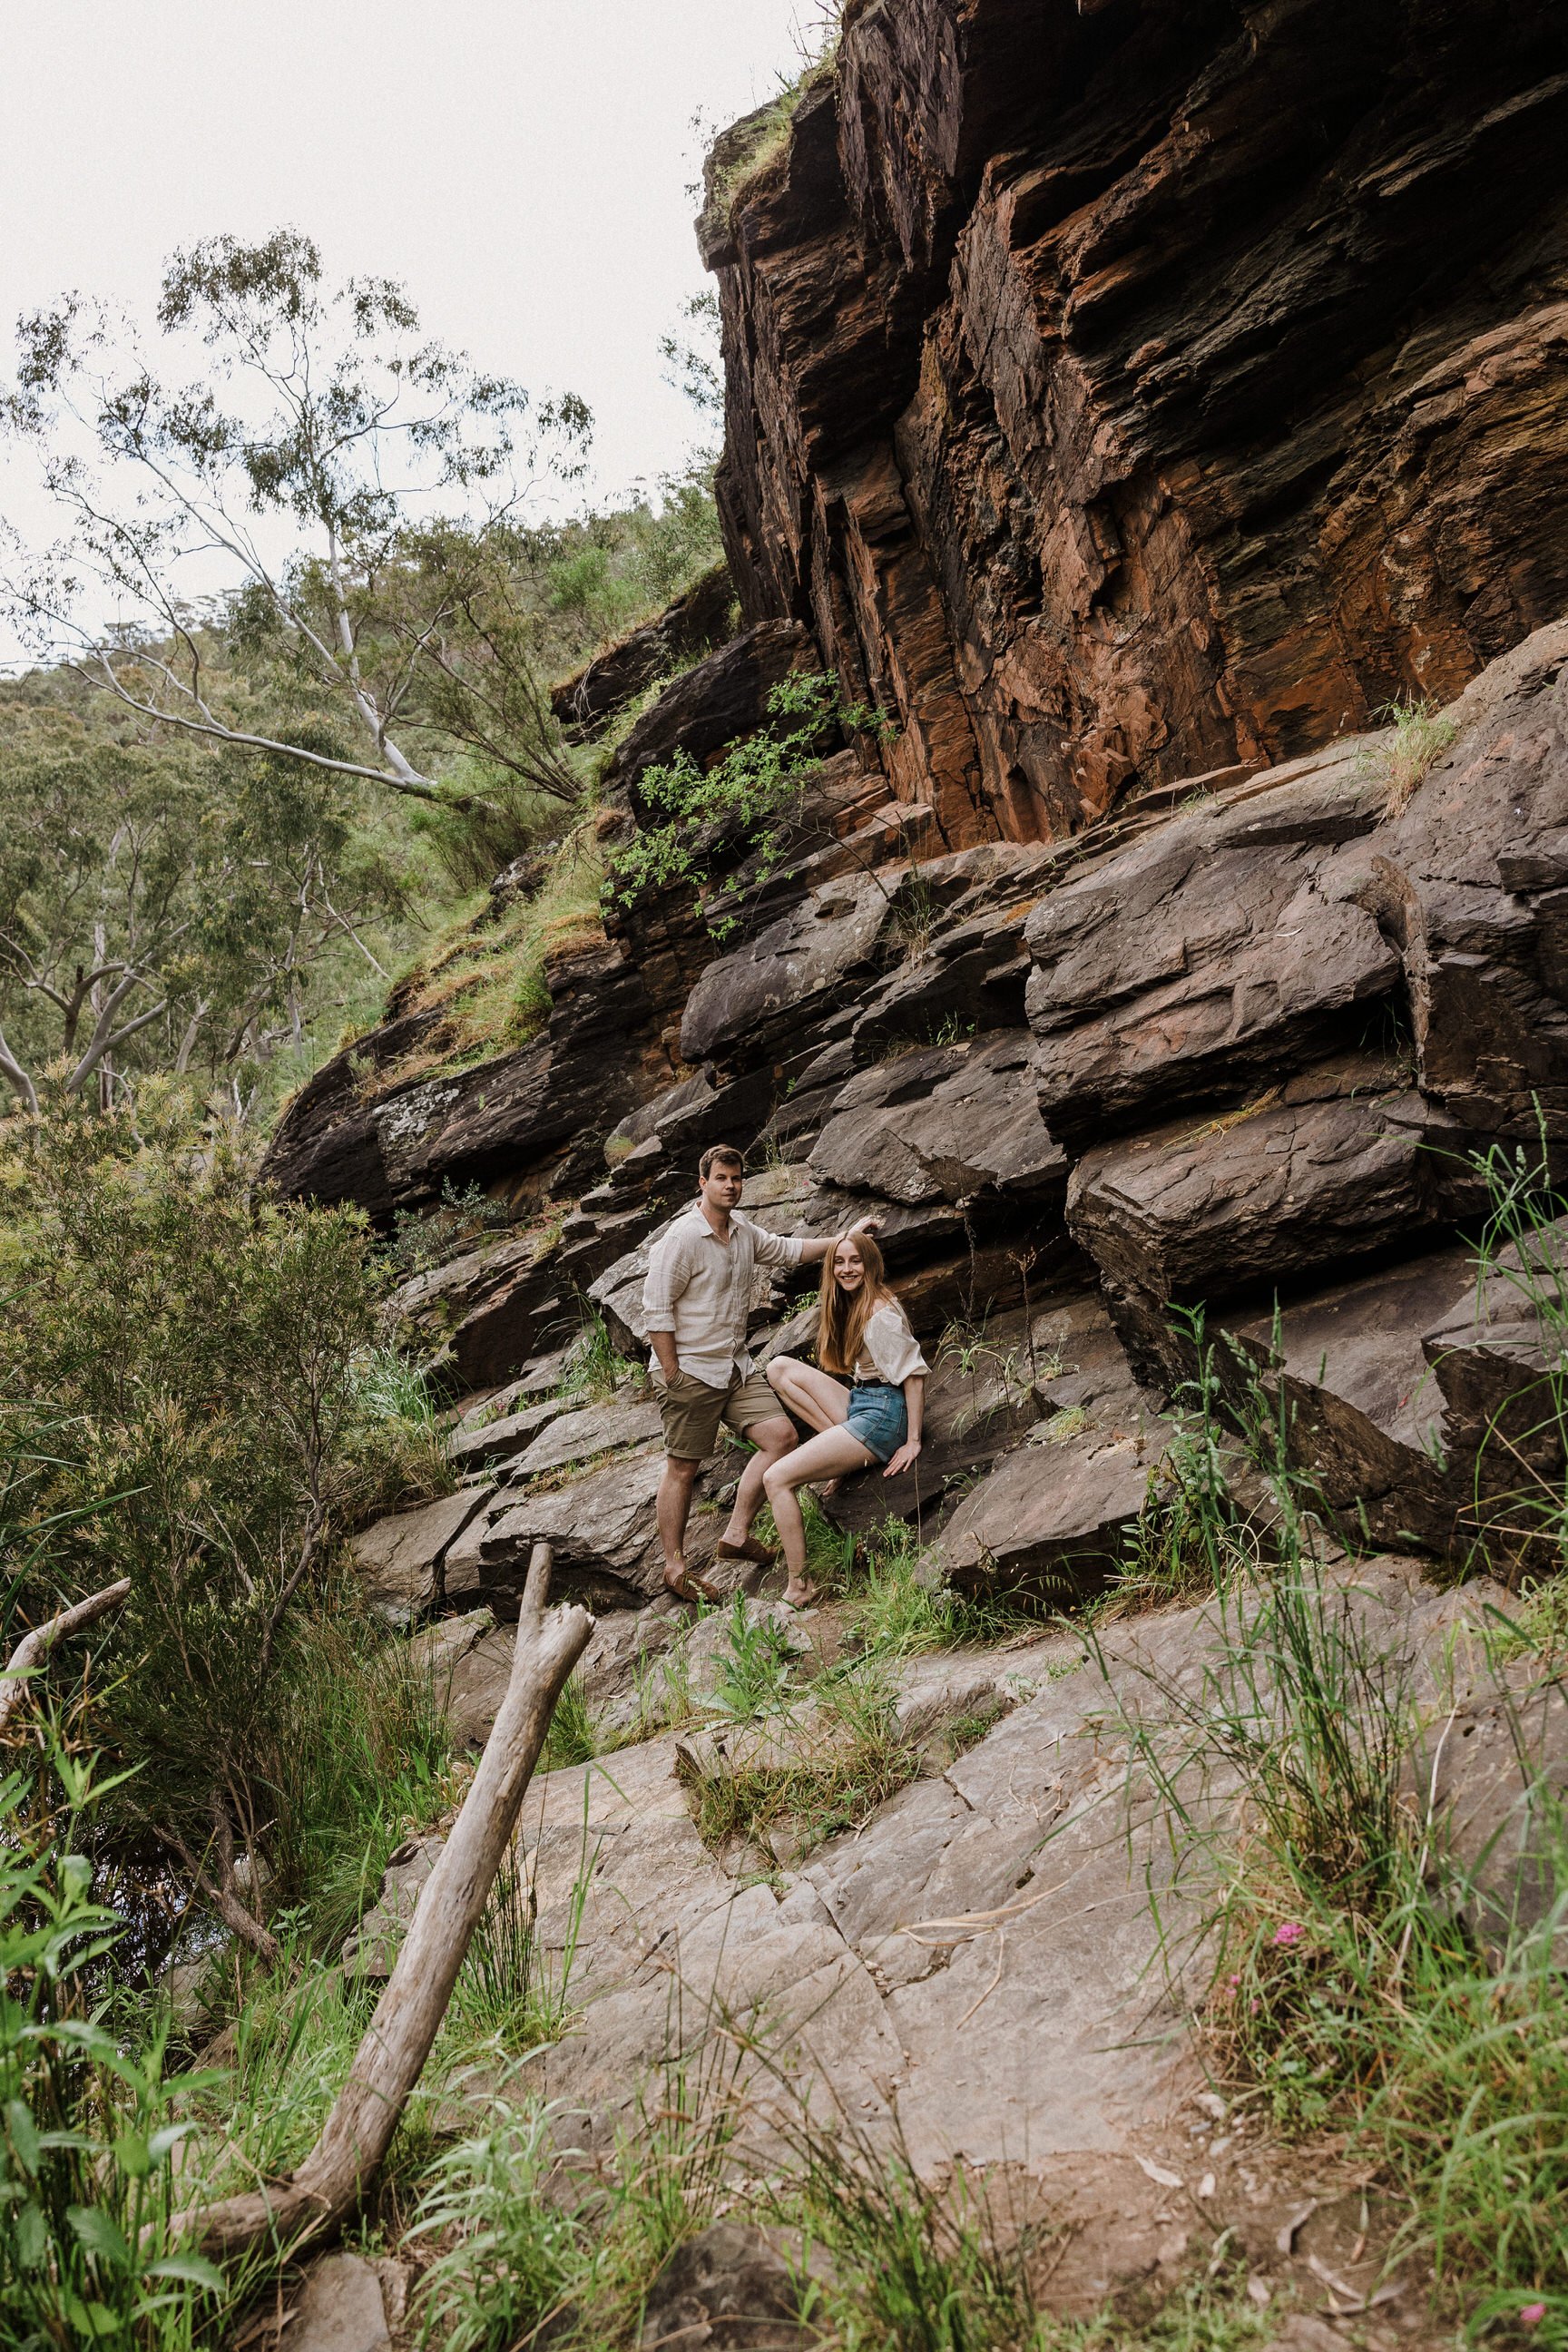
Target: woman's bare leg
833,1454
820,1400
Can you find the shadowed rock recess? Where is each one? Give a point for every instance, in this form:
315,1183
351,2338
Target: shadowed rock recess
1134,401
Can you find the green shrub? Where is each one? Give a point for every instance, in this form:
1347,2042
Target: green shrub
211,1367
749,795
90,2122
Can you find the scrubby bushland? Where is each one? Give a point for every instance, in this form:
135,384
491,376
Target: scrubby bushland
200,1380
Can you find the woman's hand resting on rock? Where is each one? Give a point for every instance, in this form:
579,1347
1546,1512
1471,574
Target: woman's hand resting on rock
904,1459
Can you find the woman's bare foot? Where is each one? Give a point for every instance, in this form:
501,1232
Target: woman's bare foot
830,1486
800,1596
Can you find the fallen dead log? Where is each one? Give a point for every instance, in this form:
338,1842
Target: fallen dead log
329,2185
34,1648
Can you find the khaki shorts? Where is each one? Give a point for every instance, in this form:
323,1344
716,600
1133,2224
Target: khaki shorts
693,1412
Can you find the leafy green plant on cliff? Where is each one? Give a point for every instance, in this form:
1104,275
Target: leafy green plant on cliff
748,796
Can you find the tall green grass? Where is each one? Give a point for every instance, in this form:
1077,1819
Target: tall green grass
1362,1981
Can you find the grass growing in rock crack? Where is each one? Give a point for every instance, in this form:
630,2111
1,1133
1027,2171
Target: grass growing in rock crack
754,1672
849,1755
1189,1538
898,1608
574,1736
528,2253
595,1371
1421,736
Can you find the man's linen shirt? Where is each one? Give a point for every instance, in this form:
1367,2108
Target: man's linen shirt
700,1288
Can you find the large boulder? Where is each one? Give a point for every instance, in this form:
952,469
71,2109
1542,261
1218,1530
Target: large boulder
1225,948
396,1145
961,1121
400,1560
1473,878
1345,1162
768,991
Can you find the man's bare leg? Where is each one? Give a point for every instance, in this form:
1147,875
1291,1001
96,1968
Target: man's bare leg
772,1439
673,1507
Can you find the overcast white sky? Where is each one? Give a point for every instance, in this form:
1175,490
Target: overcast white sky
520,165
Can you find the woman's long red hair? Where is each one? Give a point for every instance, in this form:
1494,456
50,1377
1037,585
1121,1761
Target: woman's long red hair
842,1315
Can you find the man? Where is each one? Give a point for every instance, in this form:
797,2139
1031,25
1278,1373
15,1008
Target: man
696,1302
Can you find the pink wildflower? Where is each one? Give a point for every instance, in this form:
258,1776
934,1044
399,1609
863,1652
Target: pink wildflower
1290,1933
1533,2315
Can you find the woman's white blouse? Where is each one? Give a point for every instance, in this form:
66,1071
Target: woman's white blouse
889,1350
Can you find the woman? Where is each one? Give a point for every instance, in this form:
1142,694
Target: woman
861,1331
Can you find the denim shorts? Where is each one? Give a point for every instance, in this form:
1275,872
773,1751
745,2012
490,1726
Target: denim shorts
877,1417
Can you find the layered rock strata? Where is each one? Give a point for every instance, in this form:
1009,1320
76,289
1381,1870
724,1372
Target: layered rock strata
1127,391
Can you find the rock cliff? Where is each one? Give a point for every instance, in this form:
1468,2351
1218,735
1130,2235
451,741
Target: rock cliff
1140,389
1133,400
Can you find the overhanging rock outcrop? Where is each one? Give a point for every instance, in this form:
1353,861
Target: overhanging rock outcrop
1125,391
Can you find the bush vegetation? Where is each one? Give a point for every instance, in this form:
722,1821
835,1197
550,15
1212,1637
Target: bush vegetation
203,1389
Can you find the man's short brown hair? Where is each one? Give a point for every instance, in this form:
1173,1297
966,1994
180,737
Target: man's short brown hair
719,1155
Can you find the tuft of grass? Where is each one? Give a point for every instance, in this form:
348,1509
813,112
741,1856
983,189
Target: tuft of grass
755,1671
1421,736
851,1756
899,1612
593,1369
1189,1538
510,1994
573,1736
529,2253
363,1759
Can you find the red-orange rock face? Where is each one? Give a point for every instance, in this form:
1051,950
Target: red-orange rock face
1133,392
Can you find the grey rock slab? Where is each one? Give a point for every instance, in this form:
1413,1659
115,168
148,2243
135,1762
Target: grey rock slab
601,1523
578,1436
1230,942
1497,1357
475,1684
1050,1518
1365,1403
441,1647
399,1560
975,1129
500,1440
1473,878
373,1949
789,971
339,2308
1200,1210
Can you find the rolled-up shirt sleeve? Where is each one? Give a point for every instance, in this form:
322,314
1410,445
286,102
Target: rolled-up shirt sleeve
668,1275
892,1347
774,1249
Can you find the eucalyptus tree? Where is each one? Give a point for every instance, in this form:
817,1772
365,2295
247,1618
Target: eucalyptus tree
319,429
165,904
